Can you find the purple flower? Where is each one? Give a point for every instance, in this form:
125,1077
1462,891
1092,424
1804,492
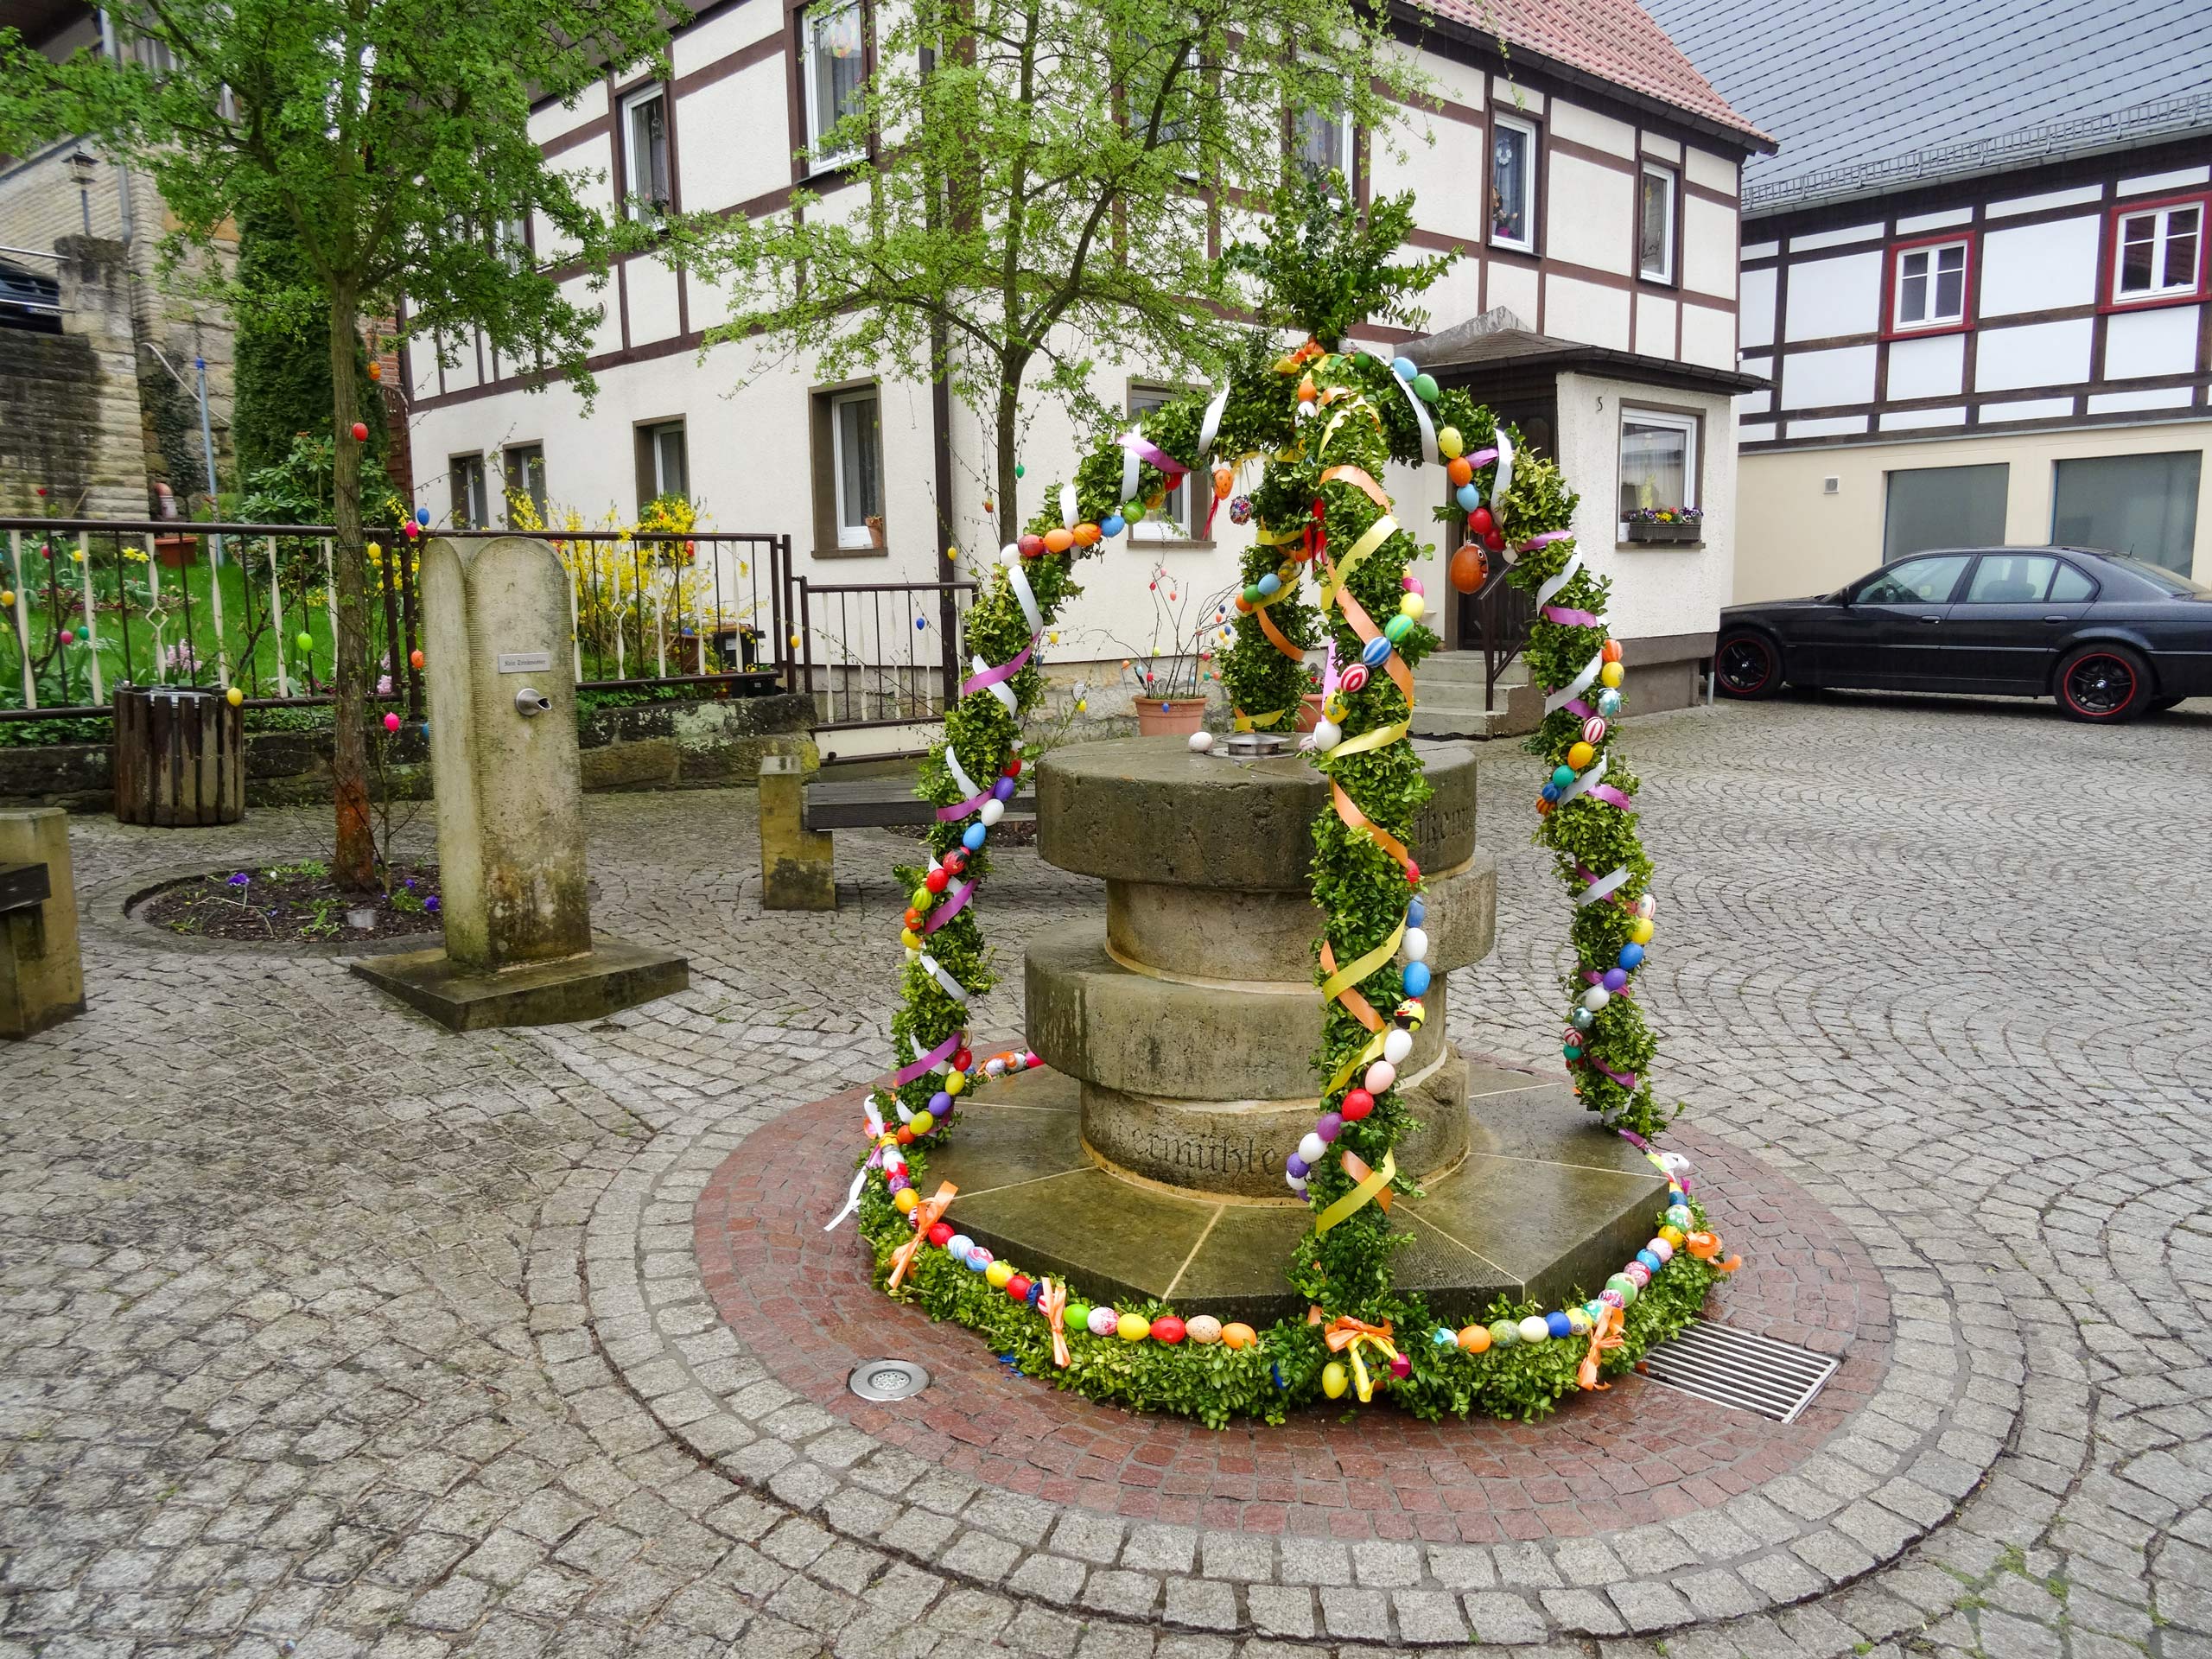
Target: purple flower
430,903
240,878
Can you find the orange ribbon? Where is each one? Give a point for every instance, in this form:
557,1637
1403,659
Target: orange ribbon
926,1214
1605,1336
1361,479
1275,636
1364,625
1053,1305
1356,1166
1345,1333
1356,1005
1356,820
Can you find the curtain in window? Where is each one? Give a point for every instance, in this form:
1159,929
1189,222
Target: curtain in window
2143,504
649,151
1655,225
1655,465
839,65
1944,506
1509,183
860,484
671,463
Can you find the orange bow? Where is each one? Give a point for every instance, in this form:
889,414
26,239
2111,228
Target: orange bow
1345,1333
1053,1303
1705,1247
1605,1336
925,1216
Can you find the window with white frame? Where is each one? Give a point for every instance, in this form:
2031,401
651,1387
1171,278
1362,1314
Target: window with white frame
1655,223
1513,184
856,460
1658,460
2159,252
1171,520
834,40
644,153
1931,286
1325,143
663,463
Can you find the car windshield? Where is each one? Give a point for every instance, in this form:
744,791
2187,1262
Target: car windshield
2173,581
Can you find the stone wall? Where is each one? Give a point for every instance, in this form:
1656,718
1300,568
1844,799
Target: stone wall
70,420
709,744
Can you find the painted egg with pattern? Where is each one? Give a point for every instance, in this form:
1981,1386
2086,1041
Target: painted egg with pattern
980,1258
1104,1321
1593,729
1503,1333
1623,1287
1679,1217
1450,444
1661,1248
1610,676
1376,652
1648,1261
1578,1321
999,1275
1203,1329
1444,1337
1353,680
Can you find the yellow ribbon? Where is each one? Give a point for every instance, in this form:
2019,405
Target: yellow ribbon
1366,1056
1380,737
1338,420
1245,722
1352,972
1268,537
1370,1187
1347,1336
1377,533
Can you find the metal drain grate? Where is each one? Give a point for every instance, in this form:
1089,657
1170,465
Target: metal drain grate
1734,1368
887,1379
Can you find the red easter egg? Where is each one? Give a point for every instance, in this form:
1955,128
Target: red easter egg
937,881
1357,1105
1353,679
1031,546
905,1135
1412,875
1480,522
1167,1328
940,1234
1495,541
414,659
1018,1288
913,917
391,722
360,432
1469,568
1014,766
962,1060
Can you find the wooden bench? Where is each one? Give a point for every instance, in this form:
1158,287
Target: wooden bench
797,818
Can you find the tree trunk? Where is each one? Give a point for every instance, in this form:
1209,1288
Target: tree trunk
1009,411
352,864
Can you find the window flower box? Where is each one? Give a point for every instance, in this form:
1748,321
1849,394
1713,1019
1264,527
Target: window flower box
1677,525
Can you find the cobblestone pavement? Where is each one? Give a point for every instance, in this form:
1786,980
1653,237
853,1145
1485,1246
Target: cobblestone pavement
312,1329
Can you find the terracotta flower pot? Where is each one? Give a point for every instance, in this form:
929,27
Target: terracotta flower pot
1170,716
1309,711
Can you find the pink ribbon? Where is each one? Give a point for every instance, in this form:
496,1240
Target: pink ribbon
929,1062
1004,671
1626,1079
1609,796
951,908
1545,540
1579,709
1566,617
1482,458
1145,449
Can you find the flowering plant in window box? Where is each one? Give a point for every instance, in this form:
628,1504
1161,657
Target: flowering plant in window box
1664,523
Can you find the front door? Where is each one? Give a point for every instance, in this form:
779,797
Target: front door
1534,419
2005,631
1889,633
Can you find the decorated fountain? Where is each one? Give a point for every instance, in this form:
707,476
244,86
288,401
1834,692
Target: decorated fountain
1237,1167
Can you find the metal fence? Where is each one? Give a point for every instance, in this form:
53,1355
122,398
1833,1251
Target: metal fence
89,604
881,653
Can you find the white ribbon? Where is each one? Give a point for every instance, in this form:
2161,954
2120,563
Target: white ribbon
950,986
966,785
1567,694
1427,427
1583,785
1129,467
1605,886
1022,592
1211,425
1504,479
852,1200
998,689
1067,505
1554,584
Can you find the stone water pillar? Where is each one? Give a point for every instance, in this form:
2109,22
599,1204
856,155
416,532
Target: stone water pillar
41,970
518,945
1191,1025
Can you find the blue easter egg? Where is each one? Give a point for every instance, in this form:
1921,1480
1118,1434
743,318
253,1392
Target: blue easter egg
1561,1326
1375,652
979,1259
1416,977
1469,497
973,841
940,1104
1416,912
1551,791
1404,368
921,622
1631,956
1609,703
422,515
1113,523
1651,1263
1443,1337
1269,585
1562,776
1583,1019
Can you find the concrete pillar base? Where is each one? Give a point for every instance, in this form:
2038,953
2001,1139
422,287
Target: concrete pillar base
42,971
798,870
610,977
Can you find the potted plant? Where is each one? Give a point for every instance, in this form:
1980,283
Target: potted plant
1664,523
1169,677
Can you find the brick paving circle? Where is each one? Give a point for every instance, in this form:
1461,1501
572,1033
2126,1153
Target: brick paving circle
1632,1454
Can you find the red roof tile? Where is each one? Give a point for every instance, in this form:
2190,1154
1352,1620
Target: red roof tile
1615,40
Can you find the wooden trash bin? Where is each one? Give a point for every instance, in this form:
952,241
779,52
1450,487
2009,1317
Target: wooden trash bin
179,757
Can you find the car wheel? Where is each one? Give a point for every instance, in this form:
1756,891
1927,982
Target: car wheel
2103,683
1746,664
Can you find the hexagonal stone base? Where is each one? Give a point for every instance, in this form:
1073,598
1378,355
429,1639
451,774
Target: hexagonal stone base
1547,1203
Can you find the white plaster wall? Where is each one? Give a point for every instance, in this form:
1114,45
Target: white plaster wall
1657,590
1655,325
552,121
1708,337
653,315
1514,287
733,135
1445,178
1755,310
2039,267
1927,368
1841,374
1589,216
1583,126
1709,247
1830,297
2033,354
726,31
588,164
1585,311
2161,341
1714,172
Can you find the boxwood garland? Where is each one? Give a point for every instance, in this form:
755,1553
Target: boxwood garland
1324,422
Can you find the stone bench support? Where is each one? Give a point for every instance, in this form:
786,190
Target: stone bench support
797,869
41,969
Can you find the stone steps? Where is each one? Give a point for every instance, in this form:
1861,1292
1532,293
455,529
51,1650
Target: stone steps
1448,701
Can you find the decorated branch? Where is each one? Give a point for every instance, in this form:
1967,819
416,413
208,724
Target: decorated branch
1329,570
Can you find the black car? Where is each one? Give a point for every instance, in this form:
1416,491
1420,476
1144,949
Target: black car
2109,636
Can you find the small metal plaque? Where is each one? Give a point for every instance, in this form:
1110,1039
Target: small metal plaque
525,662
